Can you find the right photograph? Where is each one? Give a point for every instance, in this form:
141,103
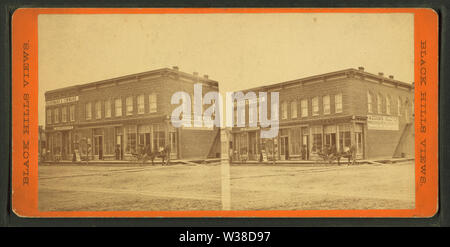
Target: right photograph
340,140
345,141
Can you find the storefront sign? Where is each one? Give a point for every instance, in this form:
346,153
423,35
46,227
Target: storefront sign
375,122
63,127
61,101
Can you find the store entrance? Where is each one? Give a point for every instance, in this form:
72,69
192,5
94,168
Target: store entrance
284,147
98,147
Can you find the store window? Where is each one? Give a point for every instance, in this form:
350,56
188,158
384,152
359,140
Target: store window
129,103
98,110
294,109
159,137
64,114
326,104
153,103
72,113
315,106
140,104
338,103
344,137
317,138
118,107
304,107
107,108
131,139
56,113
88,111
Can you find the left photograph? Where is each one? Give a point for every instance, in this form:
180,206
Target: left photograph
108,144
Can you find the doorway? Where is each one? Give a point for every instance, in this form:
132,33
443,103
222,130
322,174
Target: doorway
98,146
284,147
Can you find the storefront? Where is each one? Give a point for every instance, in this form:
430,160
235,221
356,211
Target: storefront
301,142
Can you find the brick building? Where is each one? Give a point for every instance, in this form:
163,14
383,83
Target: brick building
123,114
373,112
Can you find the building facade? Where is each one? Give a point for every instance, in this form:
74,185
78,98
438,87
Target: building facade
339,109
113,119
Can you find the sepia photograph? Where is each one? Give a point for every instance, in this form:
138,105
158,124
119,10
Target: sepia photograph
226,111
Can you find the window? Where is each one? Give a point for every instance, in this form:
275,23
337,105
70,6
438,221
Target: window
88,111
304,107
140,104
72,113
379,104
64,114
294,109
98,110
344,137
338,103
252,114
326,104
152,103
388,105
284,110
315,106
399,106
369,102
316,132
56,113
107,108
129,102
49,116
118,107
131,139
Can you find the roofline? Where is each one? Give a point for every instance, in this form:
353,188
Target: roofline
162,72
349,71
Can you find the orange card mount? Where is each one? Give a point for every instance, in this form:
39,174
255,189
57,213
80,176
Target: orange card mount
32,144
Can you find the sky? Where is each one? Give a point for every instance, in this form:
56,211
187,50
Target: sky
239,51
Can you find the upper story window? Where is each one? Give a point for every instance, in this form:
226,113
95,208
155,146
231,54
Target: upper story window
338,103
98,110
88,111
107,108
399,106
140,104
118,107
326,104
304,107
49,116
369,102
56,113
294,109
64,114
315,106
152,103
388,105
129,102
72,113
252,111
284,110
379,104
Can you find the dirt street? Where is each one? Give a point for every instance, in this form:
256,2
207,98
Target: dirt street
198,187
389,186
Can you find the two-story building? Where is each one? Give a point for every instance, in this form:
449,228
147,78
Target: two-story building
373,112
116,117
